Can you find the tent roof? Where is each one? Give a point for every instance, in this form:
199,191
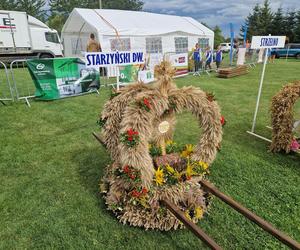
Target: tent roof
133,23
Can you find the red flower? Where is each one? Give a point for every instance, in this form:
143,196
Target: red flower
144,190
131,132
130,138
222,120
147,103
135,193
132,177
126,169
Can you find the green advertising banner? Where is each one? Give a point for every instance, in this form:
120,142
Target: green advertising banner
128,73
62,77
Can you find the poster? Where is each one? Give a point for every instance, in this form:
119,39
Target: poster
62,77
180,63
133,73
128,73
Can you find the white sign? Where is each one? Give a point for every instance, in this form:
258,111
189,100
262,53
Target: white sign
101,59
241,56
259,42
146,76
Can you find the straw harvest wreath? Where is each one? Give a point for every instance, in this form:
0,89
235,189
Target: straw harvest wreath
283,123
137,129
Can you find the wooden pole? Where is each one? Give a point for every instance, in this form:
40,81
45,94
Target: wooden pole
99,139
190,225
285,239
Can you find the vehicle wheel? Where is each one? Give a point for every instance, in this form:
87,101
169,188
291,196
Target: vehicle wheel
43,56
298,56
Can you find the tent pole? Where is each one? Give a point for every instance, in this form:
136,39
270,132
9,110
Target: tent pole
100,4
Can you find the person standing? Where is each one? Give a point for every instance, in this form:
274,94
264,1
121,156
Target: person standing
208,58
93,45
196,56
271,55
219,56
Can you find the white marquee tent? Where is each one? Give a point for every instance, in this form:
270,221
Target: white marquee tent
133,30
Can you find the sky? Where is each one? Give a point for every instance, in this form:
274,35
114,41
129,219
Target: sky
215,12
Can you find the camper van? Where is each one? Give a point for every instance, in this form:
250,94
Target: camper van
23,36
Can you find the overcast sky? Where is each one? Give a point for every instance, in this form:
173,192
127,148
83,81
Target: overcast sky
215,12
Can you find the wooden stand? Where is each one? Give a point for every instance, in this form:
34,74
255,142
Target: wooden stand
285,239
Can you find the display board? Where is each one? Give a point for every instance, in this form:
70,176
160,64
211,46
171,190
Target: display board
57,78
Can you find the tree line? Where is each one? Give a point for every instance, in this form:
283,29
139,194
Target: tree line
263,21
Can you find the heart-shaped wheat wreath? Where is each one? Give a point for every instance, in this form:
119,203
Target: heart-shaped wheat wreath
137,128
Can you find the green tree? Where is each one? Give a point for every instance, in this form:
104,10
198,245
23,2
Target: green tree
123,4
56,22
290,25
252,22
219,38
265,19
297,28
278,23
8,5
31,7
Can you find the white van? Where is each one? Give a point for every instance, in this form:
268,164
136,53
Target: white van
225,47
23,36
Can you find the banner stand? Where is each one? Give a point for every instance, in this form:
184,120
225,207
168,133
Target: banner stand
260,44
258,100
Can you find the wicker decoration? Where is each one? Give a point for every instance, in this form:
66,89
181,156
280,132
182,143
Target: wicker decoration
282,117
142,114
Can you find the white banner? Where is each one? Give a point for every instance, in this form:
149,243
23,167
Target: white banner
241,56
260,55
101,59
259,42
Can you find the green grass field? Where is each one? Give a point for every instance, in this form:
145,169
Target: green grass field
50,167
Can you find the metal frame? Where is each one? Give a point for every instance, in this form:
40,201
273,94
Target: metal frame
15,84
8,85
252,132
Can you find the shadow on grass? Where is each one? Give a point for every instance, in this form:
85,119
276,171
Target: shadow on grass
91,163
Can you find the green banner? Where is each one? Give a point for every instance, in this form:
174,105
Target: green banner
129,73
62,77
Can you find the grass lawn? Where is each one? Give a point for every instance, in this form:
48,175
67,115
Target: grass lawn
50,167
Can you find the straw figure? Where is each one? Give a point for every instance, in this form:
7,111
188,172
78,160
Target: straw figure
282,114
137,129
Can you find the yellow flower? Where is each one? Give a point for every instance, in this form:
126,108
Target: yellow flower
198,212
187,214
189,149
169,142
143,201
149,146
203,164
159,176
170,169
189,170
